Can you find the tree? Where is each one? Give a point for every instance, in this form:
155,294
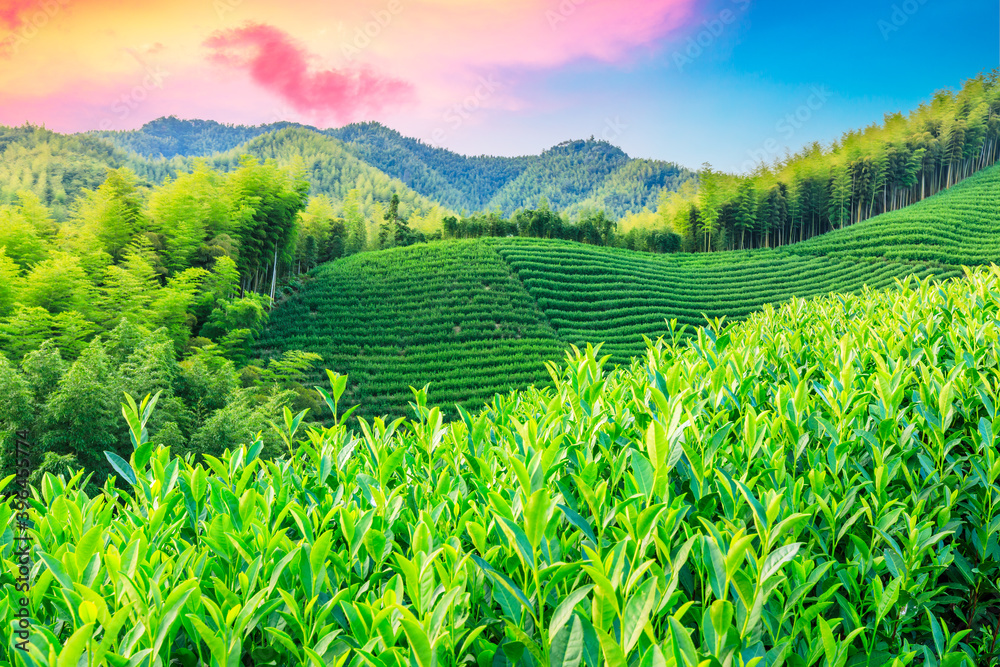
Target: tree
357,227
10,284
19,238
113,214
265,201
82,417
746,209
17,411
129,288
58,284
709,201
187,213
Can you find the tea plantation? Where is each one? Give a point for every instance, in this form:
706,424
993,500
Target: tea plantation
958,226
477,318
818,485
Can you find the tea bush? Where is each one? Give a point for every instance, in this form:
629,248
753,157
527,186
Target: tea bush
817,485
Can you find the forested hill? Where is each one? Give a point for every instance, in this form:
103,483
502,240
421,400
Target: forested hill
571,176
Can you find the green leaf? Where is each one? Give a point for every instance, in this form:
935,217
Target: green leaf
216,645
57,570
776,559
171,608
612,651
86,547
829,643
536,516
760,514
684,651
580,523
503,580
520,635
122,467
74,647
419,646
565,608
636,613
716,564
889,597
567,645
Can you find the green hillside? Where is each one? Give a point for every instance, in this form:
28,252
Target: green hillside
458,181
55,167
596,295
474,318
579,174
447,313
957,226
329,166
573,176
478,317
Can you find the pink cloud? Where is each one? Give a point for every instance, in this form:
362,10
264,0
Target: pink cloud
12,10
276,63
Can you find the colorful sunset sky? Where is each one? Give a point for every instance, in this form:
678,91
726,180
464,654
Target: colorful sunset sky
724,81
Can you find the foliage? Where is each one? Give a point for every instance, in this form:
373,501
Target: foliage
815,486
881,169
447,313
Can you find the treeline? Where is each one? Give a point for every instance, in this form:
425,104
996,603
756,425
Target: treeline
145,289
879,169
200,255
591,227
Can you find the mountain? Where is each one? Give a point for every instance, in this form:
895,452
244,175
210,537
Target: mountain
173,137
572,176
457,181
55,167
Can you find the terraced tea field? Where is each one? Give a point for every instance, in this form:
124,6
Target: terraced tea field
476,318
450,314
958,226
594,295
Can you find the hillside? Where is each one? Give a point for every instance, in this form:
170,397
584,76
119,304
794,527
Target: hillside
799,481
55,167
329,167
173,137
572,176
957,226
441,313
447,313
457,181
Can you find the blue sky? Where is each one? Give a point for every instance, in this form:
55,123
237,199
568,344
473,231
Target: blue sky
723,81
720,89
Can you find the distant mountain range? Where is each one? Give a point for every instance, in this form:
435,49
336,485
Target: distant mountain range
570,176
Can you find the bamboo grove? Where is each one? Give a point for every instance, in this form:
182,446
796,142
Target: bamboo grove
880,169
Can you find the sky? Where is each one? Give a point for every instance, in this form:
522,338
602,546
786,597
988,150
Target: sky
729,82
